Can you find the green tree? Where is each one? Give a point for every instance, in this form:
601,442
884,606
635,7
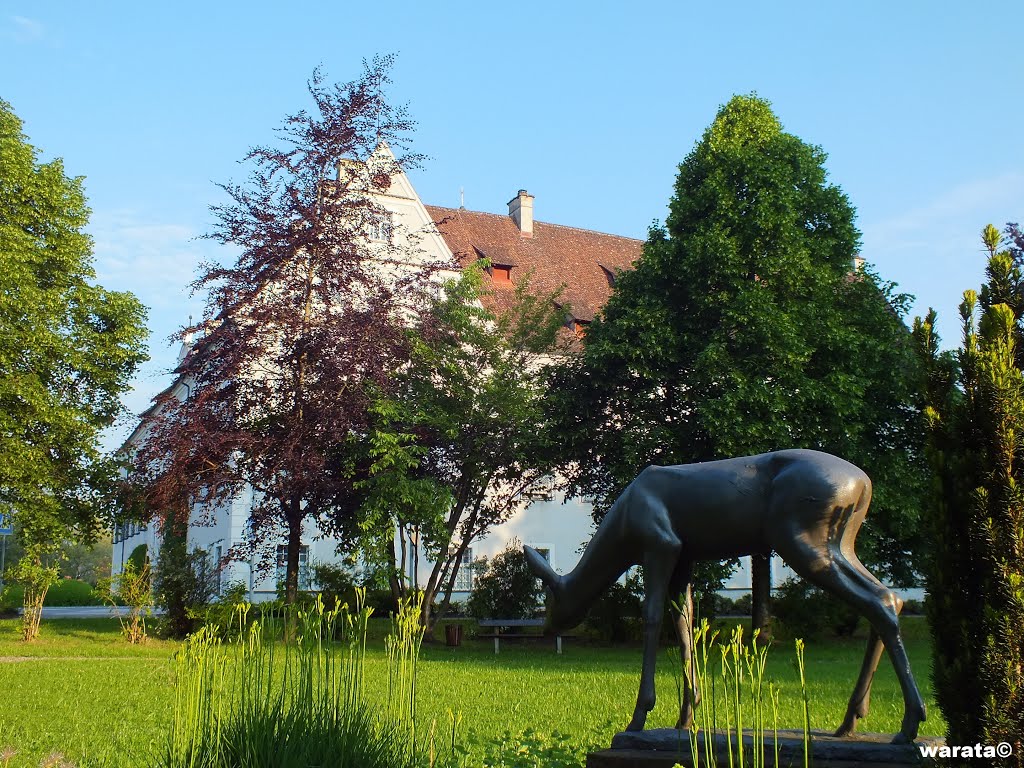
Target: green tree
744,328
976,575
68,348
462,444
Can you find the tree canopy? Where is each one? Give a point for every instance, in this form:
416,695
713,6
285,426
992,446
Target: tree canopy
68,348
299,331
745,327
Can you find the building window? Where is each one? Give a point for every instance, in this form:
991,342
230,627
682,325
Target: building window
305,581
466,577
501,274
381,228
579,327
218,555
124,531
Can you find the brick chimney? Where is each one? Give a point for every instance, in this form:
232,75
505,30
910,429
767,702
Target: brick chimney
520,208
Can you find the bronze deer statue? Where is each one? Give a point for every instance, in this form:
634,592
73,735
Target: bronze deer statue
806,506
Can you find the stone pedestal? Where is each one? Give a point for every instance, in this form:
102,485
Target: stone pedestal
664,747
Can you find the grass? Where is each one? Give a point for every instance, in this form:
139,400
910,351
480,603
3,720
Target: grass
100,702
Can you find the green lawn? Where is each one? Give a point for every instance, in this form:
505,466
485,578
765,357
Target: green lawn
86,694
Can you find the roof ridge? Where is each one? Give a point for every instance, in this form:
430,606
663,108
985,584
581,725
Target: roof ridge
537,221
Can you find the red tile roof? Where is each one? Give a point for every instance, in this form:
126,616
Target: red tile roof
556,256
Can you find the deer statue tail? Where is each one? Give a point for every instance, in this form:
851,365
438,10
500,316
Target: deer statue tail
541,569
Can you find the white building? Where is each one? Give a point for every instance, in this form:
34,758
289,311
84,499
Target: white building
583,261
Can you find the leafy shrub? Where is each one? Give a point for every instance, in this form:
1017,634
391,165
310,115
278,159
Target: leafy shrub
806,611
336,582
506,589
381,601
615,616
742,605
131,588
36,572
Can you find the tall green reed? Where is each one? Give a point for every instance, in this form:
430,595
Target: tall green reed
806,701
750,700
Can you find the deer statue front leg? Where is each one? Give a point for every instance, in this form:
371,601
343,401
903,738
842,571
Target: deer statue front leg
659,563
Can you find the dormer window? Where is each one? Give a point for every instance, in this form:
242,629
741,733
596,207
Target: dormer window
501,274
579,327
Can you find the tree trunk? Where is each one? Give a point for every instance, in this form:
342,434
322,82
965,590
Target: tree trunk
395,581
761,592
291,572
446,602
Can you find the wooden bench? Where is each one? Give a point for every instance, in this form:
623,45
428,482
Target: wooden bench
498,637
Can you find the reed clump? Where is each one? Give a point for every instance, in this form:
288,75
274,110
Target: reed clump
255,701
738,699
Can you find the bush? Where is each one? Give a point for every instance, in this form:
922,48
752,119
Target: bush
69,592
132,588
913,608
66,592
11,598
35,578
806,611
506,589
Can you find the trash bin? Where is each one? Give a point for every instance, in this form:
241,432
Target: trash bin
453,635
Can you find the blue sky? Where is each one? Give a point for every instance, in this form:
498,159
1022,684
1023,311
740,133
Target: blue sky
589,106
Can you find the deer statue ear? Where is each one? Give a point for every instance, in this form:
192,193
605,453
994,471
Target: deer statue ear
539,566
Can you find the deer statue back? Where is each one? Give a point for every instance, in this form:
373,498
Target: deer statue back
805,506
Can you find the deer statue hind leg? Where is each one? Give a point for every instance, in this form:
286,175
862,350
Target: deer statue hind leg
661,554
680,588
827,567
861,698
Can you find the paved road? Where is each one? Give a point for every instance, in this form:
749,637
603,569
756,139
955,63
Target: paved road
86,612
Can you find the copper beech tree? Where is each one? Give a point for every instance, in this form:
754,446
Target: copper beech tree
307,321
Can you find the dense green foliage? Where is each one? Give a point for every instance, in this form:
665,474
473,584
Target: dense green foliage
505,587
67,351
976,579
743,329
